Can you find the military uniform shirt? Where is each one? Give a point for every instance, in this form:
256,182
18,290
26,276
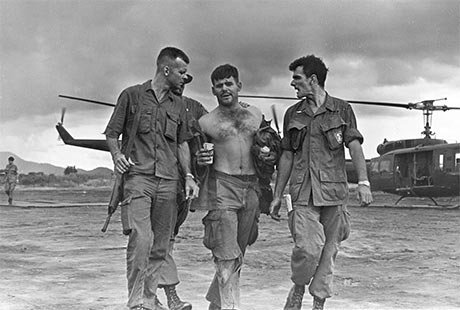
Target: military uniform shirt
317,141
161,128
11,171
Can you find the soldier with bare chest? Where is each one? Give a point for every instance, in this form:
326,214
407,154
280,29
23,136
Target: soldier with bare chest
231,222
231,128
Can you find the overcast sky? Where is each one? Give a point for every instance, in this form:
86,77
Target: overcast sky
395,51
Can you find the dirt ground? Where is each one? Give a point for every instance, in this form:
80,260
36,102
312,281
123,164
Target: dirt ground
54,256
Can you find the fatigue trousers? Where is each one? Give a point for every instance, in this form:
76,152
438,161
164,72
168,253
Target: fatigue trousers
151,216
168,274
9,189
317,233
228,231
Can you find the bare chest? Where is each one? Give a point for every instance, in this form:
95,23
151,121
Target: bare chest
240,126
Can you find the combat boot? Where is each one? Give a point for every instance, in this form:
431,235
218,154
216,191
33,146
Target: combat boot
294,300
318,303
174,302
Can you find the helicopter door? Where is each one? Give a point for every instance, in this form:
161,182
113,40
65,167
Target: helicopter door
422,170
385,174
403,171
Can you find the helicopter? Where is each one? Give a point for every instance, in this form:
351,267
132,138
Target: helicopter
422,167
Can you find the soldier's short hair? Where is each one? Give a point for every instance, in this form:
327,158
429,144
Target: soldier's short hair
311,65
11,158
223,72
171,53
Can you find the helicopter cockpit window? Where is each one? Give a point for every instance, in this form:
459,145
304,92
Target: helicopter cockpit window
385,166
375,166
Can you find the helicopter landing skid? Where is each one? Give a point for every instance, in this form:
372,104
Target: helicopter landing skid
402,197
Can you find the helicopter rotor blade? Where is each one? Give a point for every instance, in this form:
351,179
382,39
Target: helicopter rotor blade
87,100
62,121
422,105
385,104
391,104
446,108
62,115
268,97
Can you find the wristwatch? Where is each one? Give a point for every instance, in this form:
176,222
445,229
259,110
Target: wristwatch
365,183
189,175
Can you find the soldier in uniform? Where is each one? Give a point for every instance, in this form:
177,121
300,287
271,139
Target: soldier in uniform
152,118
316,131
11,178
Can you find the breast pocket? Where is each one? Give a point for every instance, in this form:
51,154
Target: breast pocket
296,134
145,120
333,131
172,122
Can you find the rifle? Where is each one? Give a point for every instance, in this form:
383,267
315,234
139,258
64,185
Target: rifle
115,198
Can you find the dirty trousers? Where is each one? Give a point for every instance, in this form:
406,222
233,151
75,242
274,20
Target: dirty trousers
317,233
151,216
229,229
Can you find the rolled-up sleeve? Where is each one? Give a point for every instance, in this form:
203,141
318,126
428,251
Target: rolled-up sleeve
117,121
286,140
351,131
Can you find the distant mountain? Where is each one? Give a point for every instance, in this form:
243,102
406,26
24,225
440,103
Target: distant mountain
25,166
101,171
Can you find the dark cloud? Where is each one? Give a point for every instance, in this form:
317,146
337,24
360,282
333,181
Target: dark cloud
95,48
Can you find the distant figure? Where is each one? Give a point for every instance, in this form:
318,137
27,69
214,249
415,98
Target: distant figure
316,131
11,178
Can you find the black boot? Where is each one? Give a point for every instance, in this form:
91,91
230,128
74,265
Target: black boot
174,302
318,303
